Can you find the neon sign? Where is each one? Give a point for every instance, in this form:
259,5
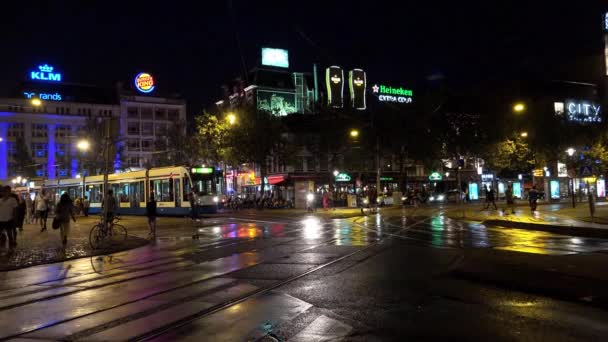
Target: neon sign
583,111
606,22
435,176
275,57
45,73
334,79
43,96
390,94
144,82
202,170
343,177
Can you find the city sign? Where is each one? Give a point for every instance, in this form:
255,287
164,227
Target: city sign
357,81
202,170
45,73
343,177
435,177
144,82
487,177
275,57
579,110
43,96
391,94
334,79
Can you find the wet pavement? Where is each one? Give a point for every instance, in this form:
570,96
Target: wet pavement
302,278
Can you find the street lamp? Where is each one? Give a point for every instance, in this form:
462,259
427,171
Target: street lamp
570,151
231,118
336,172
354,133
524,134
519,107
1,139
83,145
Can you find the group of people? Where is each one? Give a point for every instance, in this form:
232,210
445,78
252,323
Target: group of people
533,196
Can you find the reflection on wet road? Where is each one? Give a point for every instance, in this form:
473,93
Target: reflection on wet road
225,275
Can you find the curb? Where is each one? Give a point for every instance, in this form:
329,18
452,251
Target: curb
589,232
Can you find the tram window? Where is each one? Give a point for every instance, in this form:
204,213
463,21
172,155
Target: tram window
136,195
186,188
123,192
163,190
94,193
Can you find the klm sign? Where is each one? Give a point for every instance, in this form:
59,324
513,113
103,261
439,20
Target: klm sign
45,73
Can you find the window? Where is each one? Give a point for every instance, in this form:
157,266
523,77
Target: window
94,193
41,172
61,149
39,150
123,193
147,128
161,129
160,114
146,113
62,131
310,164
12,149
134,161
133,128
133,144
15,129
186,188
147,145
39,131
162,189
299,164
173,114
132,113
62,173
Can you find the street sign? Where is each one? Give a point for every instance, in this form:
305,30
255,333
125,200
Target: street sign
586,171
343,177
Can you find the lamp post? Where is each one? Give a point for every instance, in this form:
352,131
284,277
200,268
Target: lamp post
570,151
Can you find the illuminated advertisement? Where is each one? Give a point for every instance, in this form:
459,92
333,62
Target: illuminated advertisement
606,22
578,110
554,189
279,103
517,190
357,82
275,57
144,82
473,191
334,78
391,94
601,188
45,73
43,96
343,177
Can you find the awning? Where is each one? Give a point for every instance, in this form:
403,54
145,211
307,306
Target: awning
272,180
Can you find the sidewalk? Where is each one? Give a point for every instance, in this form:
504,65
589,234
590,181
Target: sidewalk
35,247
555,218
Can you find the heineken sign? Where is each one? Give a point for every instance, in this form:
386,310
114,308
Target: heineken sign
392,94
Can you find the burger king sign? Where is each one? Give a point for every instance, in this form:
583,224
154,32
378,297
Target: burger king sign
144,82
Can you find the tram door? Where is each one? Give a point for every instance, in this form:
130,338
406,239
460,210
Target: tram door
177,192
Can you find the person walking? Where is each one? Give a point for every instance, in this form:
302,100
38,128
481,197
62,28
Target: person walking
29,204
85,206
42,209
193,205
8,213
533,198
490,198
510,200
63,212
21,212
151,214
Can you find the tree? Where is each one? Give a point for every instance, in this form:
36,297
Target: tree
510,157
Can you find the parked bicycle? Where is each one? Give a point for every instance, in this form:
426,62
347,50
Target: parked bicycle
104,235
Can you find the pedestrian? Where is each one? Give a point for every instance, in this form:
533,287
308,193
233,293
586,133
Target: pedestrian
151,213
490,198
111,206
8,213
63,212
193,206
42,209
28,208
85,206
21,212
510,200
533,198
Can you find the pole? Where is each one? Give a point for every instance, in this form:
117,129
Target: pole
378,170
105,171
572,192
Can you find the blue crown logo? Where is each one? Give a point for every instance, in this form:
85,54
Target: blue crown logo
45,68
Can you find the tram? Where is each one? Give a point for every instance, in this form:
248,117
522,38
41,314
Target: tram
170,186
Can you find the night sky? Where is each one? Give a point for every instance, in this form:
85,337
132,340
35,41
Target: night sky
191,47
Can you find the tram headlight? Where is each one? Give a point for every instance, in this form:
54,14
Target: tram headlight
216,199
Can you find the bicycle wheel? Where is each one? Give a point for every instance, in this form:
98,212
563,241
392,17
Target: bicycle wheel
96,236
119,233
